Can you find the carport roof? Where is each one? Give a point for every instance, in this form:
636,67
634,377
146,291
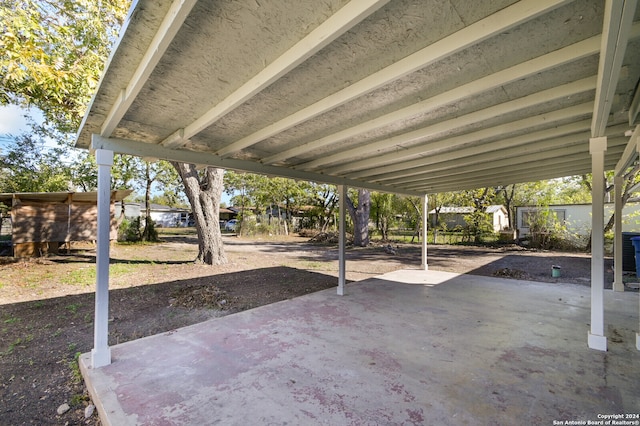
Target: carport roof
402,96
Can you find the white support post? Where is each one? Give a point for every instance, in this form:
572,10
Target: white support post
425,226
101,353
596,338
342,206
618,284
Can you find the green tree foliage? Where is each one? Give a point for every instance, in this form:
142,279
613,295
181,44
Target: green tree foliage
52,54
30,166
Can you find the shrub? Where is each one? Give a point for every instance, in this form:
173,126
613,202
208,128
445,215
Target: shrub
129,230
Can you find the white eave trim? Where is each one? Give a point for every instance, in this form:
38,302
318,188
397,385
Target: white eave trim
142,149
617,27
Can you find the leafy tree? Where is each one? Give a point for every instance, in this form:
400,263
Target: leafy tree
324,201
384,207
30,166
478,221
52,54
149,173
411,211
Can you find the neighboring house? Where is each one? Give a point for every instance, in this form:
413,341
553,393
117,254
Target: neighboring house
131,210
168,217
499,217
226,214
163,216
455,217
576,217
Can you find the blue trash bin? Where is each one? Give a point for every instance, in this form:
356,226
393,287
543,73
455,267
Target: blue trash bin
636,246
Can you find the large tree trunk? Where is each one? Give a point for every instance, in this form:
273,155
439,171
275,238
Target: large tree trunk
360,217
204,197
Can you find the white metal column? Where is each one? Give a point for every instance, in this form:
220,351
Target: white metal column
596,337
101,353
618,285
342,206
425,229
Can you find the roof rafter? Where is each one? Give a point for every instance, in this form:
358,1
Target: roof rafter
547,173
567,131
618,20
518,175
545,119
568,54
534,66
336,25
630,153
508,159
487,152
470,158
172,22
555,93
497,23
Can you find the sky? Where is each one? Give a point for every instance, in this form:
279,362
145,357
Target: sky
13,122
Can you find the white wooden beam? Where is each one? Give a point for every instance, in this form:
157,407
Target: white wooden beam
336,25
535,66
481,163
484,153
533,169
169,27
563,135
618,19
634,109
378,157
141,149
462,91
630,153
482,169
399,142
497,179
534,173
479,171
497,23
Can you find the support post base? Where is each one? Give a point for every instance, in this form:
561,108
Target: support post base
100,357
424,267
340,291
618,286
597,342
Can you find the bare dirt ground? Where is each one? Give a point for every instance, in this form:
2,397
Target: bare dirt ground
46,305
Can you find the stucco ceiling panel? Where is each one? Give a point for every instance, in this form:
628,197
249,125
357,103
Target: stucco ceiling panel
493,74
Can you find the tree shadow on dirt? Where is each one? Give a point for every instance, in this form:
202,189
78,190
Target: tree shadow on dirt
91,259
40,338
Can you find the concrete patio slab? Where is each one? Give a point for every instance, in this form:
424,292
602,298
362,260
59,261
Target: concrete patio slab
408,347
